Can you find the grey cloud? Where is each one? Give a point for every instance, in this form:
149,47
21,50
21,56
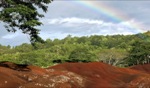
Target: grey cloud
66,8
138,10
14,39
3,31
14,42
78,28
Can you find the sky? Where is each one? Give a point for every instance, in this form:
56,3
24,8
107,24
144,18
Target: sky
85,18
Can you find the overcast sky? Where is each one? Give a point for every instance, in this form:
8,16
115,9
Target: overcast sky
87,17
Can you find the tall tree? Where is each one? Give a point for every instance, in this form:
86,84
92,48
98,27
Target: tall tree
82,54
23,15
139,54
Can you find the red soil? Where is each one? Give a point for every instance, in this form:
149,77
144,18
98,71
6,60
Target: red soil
145,68
75,75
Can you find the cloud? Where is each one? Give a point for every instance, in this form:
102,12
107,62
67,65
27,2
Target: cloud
83,26
65,17
10,36
3,30
14,39
75,26
74,20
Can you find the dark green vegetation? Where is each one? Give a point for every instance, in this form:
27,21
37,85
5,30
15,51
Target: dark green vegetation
118,50
23,15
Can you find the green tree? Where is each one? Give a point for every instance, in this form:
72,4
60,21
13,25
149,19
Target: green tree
82,54
24,48
139,54
23,15
112,56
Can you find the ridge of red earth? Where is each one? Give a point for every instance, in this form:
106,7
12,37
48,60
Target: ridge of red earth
145,68
74,75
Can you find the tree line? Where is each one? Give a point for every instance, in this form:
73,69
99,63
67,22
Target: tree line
118,50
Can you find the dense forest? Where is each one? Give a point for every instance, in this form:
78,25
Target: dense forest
117,50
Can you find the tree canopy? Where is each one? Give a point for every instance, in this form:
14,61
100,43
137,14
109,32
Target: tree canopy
23,15
139,54
126,50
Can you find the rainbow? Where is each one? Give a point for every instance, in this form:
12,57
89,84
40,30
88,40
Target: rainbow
112,13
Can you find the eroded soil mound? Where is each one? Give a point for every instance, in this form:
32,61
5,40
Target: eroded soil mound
145,68
73,75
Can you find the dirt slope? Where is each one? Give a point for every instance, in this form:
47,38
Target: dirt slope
145,68
74,75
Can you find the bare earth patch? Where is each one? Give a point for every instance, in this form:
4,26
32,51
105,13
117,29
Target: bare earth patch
74,75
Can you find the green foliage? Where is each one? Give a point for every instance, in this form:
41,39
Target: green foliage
139,54
82,54
118,50
23,15
112,56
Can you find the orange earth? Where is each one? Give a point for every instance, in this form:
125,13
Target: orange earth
74,75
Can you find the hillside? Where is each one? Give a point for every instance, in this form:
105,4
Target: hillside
111,49
73,75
